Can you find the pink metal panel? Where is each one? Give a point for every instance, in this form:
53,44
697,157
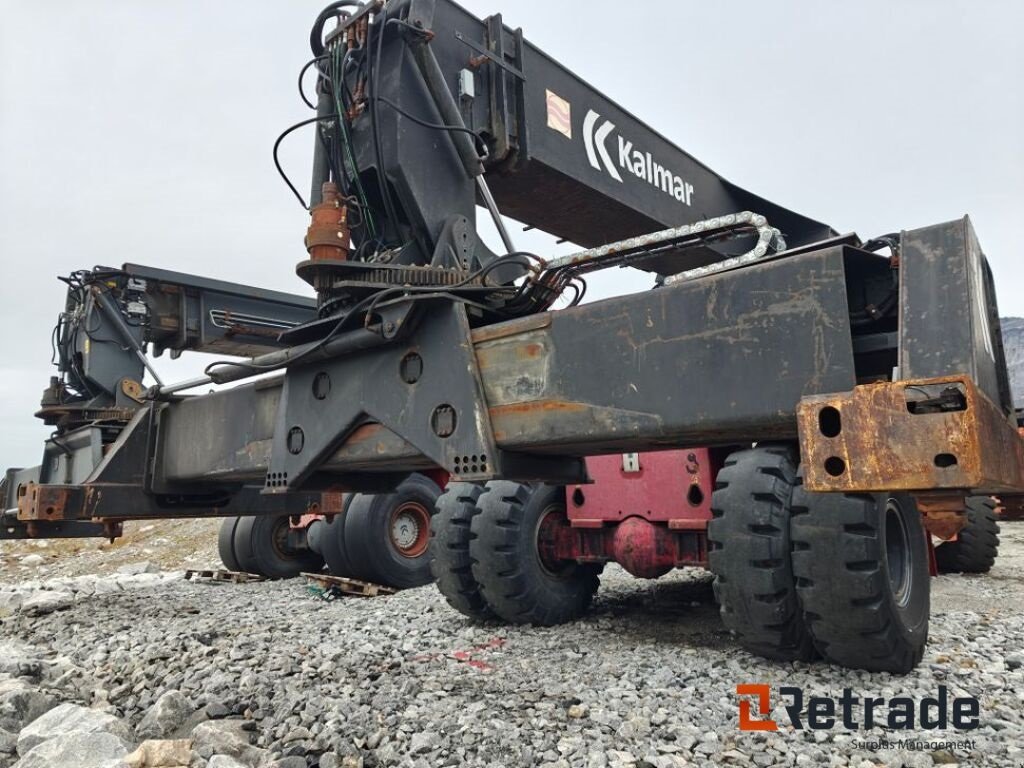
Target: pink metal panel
668,486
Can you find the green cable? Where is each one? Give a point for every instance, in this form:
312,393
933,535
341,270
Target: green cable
351,167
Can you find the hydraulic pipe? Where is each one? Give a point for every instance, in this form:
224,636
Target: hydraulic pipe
445,103
450,115
115,317
485,193
350,341
321,163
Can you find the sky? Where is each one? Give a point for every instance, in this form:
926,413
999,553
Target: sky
141,132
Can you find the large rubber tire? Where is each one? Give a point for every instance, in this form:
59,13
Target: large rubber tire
862,576
371,545
226,543
331,539
260,549
506,563
315,536
977,544
243,547
749,553
450,560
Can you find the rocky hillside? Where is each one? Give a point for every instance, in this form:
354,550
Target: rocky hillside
1013,341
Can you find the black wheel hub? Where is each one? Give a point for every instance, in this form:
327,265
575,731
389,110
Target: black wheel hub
898,553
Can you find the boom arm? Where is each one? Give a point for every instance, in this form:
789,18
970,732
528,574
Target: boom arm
111,316
557,154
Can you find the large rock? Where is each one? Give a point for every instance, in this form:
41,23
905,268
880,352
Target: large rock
166,716
13,684
229,738
78,749
19,659
65,719
105,586
46,601
22,705
10,602
33,560
171,753
138,581
224,761
136,569
8,742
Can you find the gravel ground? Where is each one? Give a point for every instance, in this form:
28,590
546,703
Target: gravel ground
647,679
171,544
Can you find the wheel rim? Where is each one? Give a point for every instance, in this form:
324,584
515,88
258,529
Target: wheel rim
898,553
546,537
410,529
279,539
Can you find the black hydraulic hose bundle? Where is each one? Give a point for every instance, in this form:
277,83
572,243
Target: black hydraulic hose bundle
335,9
335,62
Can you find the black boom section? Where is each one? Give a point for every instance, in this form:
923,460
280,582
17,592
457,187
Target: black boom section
201,314
562,157
593,173
949,317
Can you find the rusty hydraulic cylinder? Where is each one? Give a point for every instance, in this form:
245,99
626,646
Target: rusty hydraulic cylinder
328,235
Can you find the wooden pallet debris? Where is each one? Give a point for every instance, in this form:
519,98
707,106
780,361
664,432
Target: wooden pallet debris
331,587
234,577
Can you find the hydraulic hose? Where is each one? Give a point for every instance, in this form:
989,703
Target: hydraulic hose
316,35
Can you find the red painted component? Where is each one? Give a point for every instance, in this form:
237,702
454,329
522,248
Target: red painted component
668,486
330,504
554,537
644,549
648,512
569,543
439,476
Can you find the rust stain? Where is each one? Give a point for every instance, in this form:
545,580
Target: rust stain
367,433
944,512
880,440
523,413
328,235
43,502
536,407
530,351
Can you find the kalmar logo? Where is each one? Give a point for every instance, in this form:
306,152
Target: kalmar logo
643,165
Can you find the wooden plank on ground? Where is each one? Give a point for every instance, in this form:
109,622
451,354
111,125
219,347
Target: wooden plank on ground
339,585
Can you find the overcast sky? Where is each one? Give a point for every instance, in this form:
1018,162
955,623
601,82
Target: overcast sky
141,131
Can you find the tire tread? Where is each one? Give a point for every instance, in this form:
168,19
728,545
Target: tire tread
749,553
842,585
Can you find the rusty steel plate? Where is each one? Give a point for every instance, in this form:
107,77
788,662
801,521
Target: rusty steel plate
928,434
46,502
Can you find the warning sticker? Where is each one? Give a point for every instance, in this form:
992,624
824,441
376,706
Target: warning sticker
559,114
